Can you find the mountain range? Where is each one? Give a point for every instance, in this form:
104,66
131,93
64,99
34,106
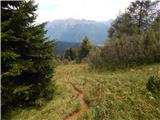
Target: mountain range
74,30
70,32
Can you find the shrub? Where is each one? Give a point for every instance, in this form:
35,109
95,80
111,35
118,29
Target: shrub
94,58
153,85
127,51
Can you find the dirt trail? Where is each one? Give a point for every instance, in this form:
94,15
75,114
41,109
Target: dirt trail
83,106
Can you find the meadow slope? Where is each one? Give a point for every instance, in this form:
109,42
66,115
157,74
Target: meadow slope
110,95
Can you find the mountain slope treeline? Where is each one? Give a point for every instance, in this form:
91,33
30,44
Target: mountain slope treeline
61,46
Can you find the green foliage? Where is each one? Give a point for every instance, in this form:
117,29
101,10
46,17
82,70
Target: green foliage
120,26
70,54
143,12
27,56
77,54
94,58
136,19
153,85
134,45
84,49
127,51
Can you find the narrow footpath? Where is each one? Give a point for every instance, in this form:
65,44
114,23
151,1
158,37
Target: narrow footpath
83,106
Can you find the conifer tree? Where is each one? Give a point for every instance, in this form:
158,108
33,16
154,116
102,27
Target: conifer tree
84,48
27,56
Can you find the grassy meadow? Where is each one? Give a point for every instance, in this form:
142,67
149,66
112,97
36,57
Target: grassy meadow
110,95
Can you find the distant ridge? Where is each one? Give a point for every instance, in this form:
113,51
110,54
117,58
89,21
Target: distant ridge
74,30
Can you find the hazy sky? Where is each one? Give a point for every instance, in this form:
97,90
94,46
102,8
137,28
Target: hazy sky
99,10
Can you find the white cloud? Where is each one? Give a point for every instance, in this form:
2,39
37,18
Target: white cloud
98,10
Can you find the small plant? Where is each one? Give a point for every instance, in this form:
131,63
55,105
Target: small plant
153,85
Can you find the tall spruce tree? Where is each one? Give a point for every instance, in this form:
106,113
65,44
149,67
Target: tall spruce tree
27,56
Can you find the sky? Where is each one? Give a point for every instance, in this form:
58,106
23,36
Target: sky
98,10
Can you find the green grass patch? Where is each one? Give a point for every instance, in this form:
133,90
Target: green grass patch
64,102
110,95
119,94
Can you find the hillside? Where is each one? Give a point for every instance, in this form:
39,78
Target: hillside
74,30
62,45
79,68
112,95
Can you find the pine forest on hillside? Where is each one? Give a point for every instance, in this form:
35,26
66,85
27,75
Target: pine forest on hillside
50,79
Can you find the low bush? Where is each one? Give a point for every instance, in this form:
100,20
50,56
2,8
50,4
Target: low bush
153,85
126,51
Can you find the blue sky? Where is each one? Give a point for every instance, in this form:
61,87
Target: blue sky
98,10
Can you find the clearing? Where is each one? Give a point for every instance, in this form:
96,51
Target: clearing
84,94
